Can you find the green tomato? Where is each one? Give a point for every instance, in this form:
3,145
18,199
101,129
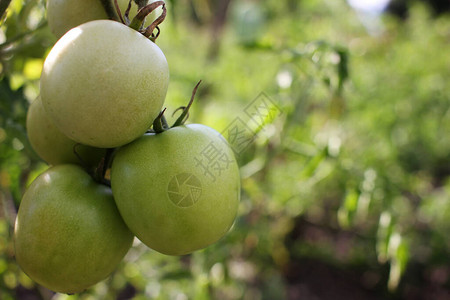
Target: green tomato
69,234
63,15
53,146
178,191
103,83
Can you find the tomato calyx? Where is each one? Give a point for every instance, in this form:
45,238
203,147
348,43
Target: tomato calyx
138,21
185,109
160,124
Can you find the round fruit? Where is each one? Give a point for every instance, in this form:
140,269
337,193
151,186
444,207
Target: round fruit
104,83
69,234
178,191
53,146
63,15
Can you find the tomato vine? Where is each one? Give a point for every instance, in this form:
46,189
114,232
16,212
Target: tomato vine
160,123
137,23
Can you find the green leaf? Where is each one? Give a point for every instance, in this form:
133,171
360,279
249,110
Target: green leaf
347,211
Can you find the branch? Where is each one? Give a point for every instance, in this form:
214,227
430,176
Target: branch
3,6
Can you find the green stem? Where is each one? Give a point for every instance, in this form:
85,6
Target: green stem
158,126
164,123
182,118
109,9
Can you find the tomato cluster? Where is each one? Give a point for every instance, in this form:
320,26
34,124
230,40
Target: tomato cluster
113,176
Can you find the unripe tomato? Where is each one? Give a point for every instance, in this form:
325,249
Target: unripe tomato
52,145
63,15
69,234
104,83
178,191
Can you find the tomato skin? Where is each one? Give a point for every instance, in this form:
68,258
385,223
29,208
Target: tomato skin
64,15
52,145
104,83
142,180
68,233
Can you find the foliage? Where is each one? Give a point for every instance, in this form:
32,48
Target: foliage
348,172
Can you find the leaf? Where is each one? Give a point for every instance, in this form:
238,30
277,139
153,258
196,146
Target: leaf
312,165
385,228
347,211
399,256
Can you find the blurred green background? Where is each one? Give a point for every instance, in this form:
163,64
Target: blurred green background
345,184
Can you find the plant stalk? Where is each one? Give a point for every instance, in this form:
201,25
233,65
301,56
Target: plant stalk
110,10
184,115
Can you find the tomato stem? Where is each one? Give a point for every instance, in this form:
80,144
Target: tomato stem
149,30
112,13
165,125
124,17
127,13
158,126
160,123
119,12
185,114
143,12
